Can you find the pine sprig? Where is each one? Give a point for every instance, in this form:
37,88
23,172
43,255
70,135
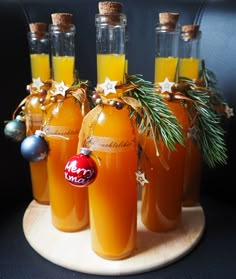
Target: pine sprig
156,115
210,136
210,81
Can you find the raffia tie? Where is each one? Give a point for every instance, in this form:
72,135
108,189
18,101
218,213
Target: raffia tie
132,102
75,91
177,95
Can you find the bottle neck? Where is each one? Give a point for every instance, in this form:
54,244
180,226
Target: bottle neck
189,54
63,53
39,55
167,41
190,45
62,40
38,43
167,53
111,33
111,48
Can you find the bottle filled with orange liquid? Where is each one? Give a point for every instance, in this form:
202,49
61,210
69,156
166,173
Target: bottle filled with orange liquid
161,208
62,122
111,135
189,68
40,71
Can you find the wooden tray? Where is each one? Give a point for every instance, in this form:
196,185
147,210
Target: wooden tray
73,250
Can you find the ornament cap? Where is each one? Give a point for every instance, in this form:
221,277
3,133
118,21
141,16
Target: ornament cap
40,133
20,118
85,151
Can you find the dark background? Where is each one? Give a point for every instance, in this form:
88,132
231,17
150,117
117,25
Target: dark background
215,256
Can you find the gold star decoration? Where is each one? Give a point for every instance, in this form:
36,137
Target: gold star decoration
140,177
37,83
108,86
166,85
61,88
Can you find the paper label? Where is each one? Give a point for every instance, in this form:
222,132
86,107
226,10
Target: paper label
108,144
61,131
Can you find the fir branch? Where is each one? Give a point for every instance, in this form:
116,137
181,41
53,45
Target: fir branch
210,137
210,82
155,113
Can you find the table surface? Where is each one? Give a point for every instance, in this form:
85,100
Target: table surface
73,250
212,258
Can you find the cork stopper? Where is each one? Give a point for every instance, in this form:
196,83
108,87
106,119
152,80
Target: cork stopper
190,31
110,8
39,28
62,20
110,13
168,20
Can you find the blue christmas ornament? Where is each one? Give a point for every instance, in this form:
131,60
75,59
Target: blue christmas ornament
16,129
35,148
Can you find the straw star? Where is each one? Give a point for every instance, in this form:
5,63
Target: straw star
108,86
229,111
37,83
140,177
61,88
43,155
193,132
166,86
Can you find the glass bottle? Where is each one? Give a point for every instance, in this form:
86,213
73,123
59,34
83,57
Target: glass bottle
162,197
62,122
62,36
40,71
111,135
189,65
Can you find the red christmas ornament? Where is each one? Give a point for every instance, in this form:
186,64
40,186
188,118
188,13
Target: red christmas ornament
81,169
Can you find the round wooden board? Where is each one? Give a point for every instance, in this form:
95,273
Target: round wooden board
73,250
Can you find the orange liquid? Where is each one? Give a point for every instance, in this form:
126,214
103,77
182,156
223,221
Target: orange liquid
126,66
189,67
111,66
40,66
162,196
113,194
63,69
193,174
38,170
69,204
165,67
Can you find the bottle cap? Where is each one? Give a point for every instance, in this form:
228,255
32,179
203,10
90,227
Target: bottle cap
62,20
190,31
110,13
109,8
39,28
168,20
